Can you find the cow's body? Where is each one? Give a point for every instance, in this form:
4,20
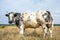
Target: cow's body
34,20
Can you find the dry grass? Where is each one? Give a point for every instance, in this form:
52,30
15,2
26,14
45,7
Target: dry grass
12,33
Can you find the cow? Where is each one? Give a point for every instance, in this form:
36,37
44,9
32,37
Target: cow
32,20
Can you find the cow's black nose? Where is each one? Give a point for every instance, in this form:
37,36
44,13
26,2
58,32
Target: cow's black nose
10,22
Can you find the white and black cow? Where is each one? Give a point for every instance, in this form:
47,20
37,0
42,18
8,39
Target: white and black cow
32,20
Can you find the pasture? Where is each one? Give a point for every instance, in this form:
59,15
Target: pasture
12,33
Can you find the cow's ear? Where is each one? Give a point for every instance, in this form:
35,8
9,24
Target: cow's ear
6,14
15,15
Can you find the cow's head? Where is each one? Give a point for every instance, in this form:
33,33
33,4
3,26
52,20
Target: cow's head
11,16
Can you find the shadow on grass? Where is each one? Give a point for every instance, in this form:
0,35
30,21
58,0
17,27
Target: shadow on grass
33,34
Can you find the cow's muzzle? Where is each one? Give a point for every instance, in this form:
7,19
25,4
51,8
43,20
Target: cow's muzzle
10,22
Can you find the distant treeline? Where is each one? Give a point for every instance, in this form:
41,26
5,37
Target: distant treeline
56,24
7,24
14,24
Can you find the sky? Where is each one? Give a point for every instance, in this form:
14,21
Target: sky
29,5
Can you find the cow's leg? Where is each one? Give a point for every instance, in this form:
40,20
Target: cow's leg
50,30
21,29
45,30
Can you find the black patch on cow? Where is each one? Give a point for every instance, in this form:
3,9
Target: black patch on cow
17,14
21,18
48,25
44,28
17,19
17,22
48,12
47,19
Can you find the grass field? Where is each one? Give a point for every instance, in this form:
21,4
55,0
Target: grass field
12,33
